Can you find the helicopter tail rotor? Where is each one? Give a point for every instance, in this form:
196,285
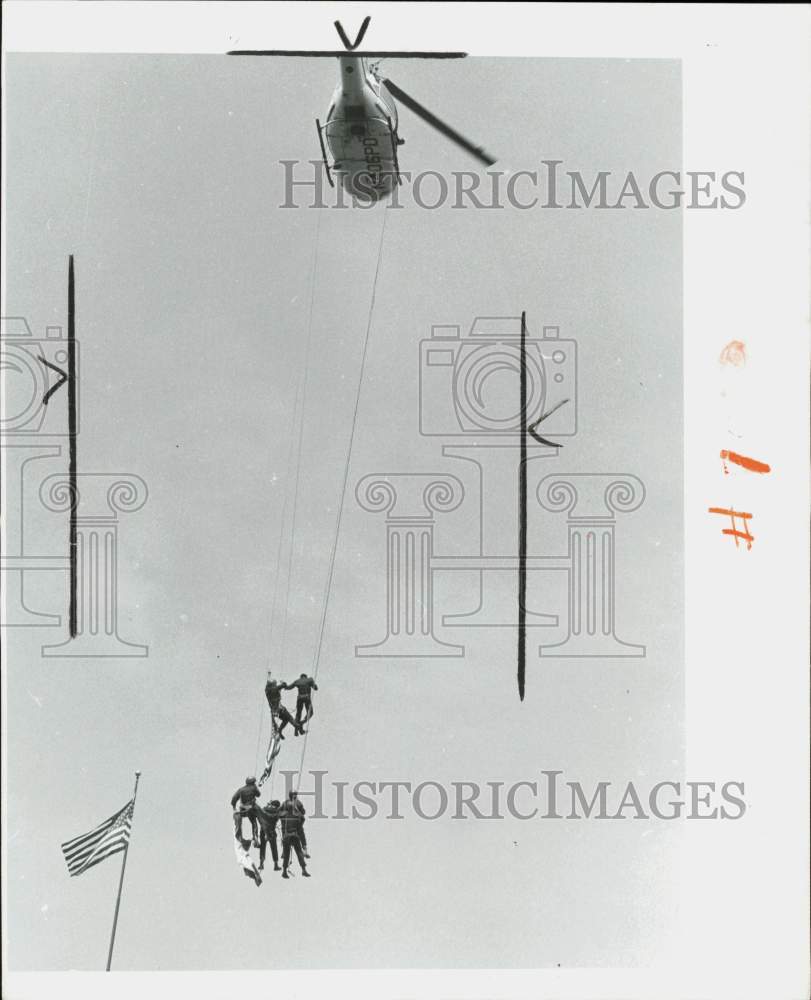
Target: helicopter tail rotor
431,119
358,38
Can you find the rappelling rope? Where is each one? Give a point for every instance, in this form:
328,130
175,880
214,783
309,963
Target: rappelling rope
302,412
298,413
331,571
278,574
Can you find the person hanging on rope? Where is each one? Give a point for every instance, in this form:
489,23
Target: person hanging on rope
291,821
273,693
297,805
285,717
305,686
268,819
246,796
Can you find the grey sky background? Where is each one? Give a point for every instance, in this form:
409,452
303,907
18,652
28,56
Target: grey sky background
161,175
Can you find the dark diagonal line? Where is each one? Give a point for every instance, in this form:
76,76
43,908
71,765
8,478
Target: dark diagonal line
74,496
522,517
532,427
56,385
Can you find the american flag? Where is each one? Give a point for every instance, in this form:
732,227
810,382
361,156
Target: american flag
110,837
273,750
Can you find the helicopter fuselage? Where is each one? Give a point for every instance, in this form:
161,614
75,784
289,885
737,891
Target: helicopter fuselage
361,132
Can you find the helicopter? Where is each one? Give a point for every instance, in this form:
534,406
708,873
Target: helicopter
360,133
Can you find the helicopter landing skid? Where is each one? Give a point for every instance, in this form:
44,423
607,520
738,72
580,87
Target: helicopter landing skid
395,142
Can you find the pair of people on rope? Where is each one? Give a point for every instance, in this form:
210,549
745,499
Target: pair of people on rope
304,703
291,816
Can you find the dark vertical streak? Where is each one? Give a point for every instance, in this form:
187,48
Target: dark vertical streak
522,516
74,496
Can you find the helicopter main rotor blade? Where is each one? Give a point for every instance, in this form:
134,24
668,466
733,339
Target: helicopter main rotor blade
438,124
338,53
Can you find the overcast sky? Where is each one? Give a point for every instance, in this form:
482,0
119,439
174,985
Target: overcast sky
161,175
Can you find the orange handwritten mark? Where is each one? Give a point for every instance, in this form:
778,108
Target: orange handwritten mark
732,514
734,354
751,464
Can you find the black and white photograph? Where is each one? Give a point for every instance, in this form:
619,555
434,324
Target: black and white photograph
404,442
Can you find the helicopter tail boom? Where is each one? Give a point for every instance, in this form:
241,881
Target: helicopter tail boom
353,76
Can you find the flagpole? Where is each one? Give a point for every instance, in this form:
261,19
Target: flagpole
121,880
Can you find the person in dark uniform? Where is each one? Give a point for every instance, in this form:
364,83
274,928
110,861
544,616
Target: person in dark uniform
286,718
246,796
267,834
291,821
273,693
298,806
304,702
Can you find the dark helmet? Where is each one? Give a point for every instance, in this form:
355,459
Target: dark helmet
293,794
250,781
303,675
275,803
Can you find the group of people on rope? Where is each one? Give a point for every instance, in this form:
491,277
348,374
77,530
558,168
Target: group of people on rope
264,821
290,814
